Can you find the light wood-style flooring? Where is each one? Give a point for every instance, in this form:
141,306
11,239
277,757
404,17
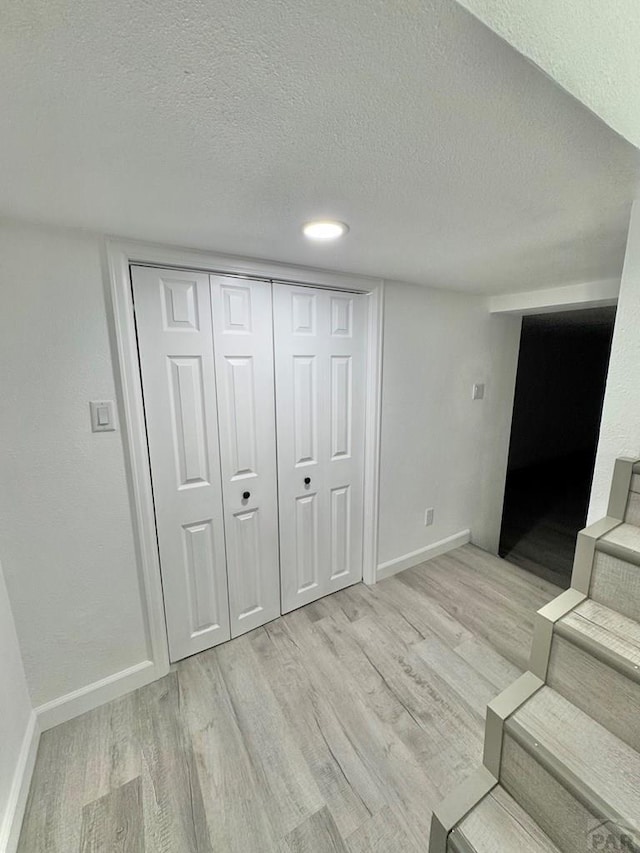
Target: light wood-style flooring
335,728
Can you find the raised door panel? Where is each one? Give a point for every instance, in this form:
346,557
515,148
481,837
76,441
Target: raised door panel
245,539
320,356
305,410
306,543
243,340
179,304
341,308
301,320
176,360
207,601
341,528
186,396
239,429
341,406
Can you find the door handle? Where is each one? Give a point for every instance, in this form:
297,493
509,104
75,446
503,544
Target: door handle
307,480
246,496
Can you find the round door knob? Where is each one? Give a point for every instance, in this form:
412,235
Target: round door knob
307,480
246,496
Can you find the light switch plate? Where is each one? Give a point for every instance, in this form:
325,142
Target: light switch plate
478,391
102,416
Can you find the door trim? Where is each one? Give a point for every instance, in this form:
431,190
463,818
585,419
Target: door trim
118,256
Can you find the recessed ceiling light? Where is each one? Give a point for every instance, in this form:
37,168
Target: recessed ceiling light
324,229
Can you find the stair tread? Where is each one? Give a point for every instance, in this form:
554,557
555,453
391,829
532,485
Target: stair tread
625,536
599,624
498,823
588,757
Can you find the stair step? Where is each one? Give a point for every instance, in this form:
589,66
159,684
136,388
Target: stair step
595,664
569,772
498,823
615,583
604,631
623,542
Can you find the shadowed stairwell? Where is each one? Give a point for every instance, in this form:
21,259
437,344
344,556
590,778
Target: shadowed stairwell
562,369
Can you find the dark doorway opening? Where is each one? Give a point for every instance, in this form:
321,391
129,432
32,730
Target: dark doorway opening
562,370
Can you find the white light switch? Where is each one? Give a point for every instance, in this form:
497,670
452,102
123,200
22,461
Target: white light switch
478,391
102,417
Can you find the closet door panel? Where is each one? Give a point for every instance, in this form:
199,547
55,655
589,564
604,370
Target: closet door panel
320,340
345,344
243,340
175,345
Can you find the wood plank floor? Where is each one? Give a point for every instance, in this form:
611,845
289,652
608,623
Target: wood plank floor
335,728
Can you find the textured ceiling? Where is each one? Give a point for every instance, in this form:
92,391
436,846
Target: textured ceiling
226,125
590,47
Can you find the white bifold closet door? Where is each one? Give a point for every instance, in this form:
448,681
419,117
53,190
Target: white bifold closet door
320,340
243,340
208,487
175,341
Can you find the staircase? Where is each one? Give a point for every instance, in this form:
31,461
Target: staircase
561,767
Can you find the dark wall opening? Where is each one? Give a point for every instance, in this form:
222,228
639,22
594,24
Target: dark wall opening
562,370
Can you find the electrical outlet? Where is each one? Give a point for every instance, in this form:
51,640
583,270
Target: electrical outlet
428,517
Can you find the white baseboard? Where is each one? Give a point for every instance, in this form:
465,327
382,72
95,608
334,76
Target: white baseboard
14,812
87,698
392,567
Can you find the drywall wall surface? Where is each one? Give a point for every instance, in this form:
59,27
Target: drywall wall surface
620,424
439,447
589,47
15,705
65,521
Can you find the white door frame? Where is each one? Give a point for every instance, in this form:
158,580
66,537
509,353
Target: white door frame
120,254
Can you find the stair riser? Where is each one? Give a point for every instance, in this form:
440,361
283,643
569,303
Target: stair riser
608,696
558,813
498,823
457,844
616,584
632,514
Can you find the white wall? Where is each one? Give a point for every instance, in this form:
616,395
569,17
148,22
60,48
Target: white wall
620,425
65,525
15,712
440,448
